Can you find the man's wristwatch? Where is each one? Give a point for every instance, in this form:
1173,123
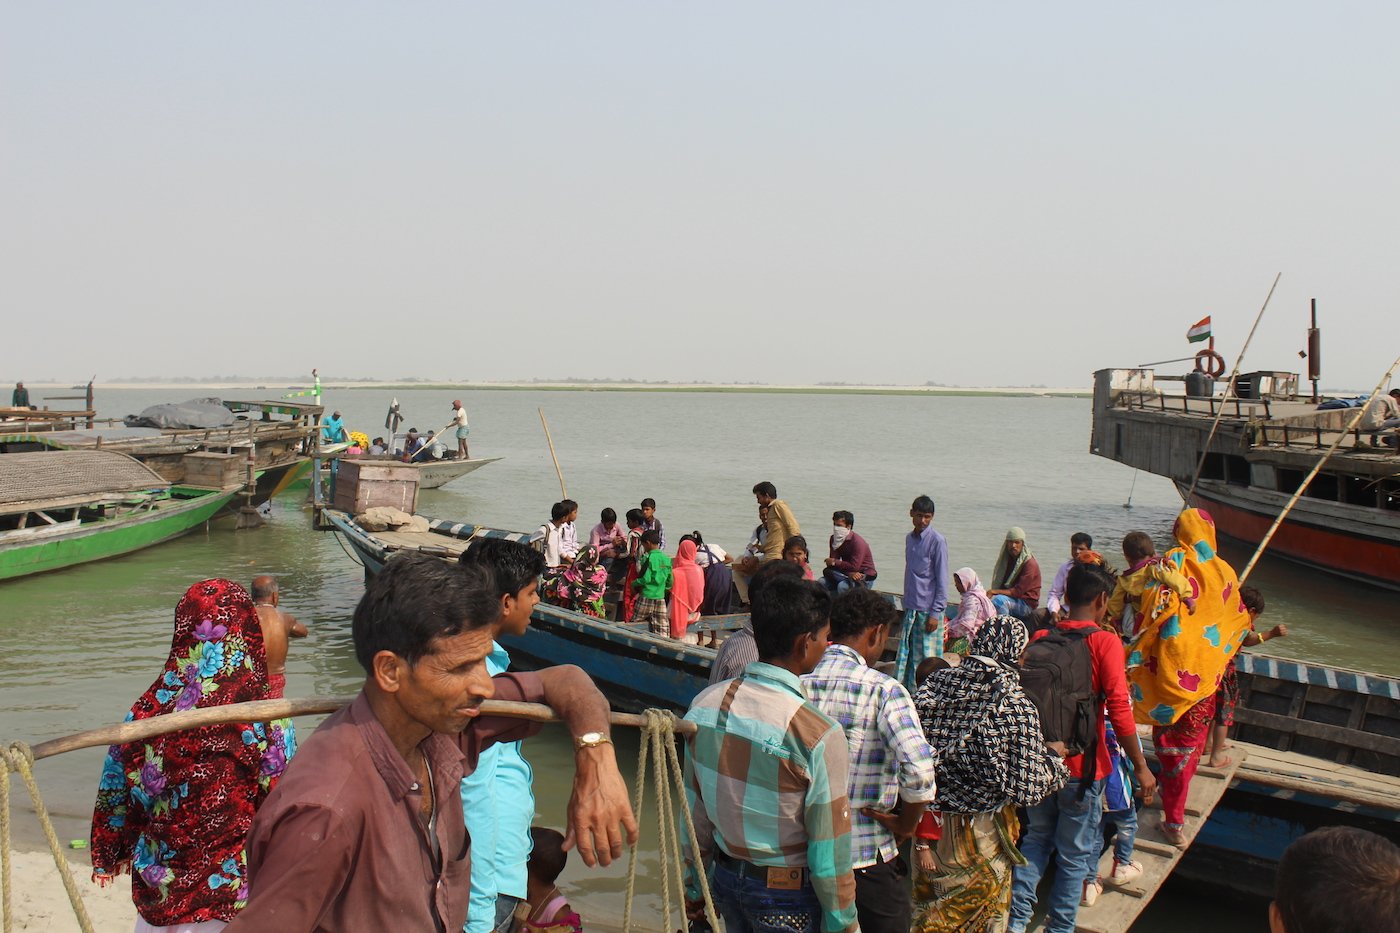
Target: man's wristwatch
591,740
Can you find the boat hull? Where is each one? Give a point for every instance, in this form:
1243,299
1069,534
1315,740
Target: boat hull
1319,535
87,543
435,473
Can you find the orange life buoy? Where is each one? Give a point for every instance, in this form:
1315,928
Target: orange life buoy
1211,363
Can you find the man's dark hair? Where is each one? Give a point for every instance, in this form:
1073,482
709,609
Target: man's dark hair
634,518
1253,599
559,511
649,503
1339,879
922,504
651,536
415,599
1138,545
547,855
1086,583
858,610
513,564
1081,537
844,516
767,572
766,488
788,608
1395,393
570,504
608,516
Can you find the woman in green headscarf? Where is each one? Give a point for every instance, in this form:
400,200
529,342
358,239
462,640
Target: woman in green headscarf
1016,579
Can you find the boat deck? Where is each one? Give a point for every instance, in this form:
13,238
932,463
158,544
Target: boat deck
1117,908
1289,774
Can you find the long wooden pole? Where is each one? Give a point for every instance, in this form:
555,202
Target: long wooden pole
1317,467
265,710
1229,386
563,493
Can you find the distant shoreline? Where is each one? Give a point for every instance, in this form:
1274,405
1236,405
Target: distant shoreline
276,391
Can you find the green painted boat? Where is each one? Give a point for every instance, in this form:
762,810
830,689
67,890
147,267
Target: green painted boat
63,508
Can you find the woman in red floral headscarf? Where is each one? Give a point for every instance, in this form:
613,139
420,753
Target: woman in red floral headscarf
174,810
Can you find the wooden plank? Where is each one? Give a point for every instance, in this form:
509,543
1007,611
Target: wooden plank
1119,907
1352,738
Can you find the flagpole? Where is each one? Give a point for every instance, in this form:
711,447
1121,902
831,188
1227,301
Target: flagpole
1229,386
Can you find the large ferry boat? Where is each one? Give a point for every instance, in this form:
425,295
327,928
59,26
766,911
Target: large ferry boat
1267,440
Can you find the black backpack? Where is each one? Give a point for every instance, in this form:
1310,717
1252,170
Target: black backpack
1057,673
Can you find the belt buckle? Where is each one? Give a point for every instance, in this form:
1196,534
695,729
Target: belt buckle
785,879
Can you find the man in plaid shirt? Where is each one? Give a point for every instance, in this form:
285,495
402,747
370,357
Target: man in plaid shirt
766,782
890,759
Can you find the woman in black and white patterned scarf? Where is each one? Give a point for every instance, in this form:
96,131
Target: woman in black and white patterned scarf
991,759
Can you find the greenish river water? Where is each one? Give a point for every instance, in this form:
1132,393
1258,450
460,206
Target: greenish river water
77,647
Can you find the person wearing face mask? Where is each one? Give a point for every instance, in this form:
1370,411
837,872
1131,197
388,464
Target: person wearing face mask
850,563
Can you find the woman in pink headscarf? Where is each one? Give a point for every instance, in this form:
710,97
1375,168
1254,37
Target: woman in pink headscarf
687,589
976,607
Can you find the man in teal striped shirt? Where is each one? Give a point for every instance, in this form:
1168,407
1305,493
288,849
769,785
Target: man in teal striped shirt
766,781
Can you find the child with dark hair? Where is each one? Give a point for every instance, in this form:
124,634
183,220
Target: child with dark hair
650,522
795,552
652,585
633,554
548,909
1228,696
1337,879
1145,570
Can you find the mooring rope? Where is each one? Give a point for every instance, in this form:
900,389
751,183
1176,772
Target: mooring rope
18,757
659,746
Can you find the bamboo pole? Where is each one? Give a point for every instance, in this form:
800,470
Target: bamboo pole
563,493
1229,386
1317,468
264,710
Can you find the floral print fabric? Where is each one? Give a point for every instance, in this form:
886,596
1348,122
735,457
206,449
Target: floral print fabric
175,809
1178,657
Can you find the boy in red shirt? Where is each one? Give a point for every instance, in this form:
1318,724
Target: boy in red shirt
1067,822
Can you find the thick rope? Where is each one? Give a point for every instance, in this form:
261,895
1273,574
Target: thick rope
659,747
19,758
6,852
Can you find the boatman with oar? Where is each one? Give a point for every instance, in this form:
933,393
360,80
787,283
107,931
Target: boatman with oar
368,834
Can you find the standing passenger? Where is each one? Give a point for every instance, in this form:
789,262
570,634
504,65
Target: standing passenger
925,593
687,591
1016,578
653,584
891,762
650,522
766,777
781,524
636,553
459,421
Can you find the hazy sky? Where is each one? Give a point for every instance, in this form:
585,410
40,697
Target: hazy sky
977,193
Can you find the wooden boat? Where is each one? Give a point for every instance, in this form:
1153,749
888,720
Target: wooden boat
66,507
276,435
435,473
1348,522
634,667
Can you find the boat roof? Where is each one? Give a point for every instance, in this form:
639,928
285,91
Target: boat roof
82,437
55,478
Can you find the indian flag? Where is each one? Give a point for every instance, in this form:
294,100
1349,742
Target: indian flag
1199,331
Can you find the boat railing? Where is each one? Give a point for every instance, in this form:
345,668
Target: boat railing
1314,437
1244,408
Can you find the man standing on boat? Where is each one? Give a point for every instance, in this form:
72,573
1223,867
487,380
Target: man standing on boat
20,397
925,593
367,833
459,420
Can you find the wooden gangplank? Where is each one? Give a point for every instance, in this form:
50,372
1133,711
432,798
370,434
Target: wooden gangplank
1119,907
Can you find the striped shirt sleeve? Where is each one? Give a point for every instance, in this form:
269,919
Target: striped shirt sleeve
904,736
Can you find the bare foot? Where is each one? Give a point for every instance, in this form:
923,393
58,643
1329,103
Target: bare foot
1221,760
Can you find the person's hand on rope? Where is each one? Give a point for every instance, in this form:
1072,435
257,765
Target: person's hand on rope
598,806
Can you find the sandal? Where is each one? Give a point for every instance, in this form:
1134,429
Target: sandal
1176,835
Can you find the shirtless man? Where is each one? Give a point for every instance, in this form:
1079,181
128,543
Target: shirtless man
277,627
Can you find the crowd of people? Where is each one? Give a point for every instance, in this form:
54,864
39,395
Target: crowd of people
810,770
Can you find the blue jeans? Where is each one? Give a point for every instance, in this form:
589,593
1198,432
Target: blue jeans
837,582
1068,825
1125,822
748,905
1011,606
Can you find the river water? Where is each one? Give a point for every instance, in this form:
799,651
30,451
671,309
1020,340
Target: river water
76,647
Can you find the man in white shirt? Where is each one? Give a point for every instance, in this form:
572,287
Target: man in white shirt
568,546
1079,541
459,419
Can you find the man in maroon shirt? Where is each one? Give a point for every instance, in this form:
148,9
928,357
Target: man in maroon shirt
1067,822
851,563
365,831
